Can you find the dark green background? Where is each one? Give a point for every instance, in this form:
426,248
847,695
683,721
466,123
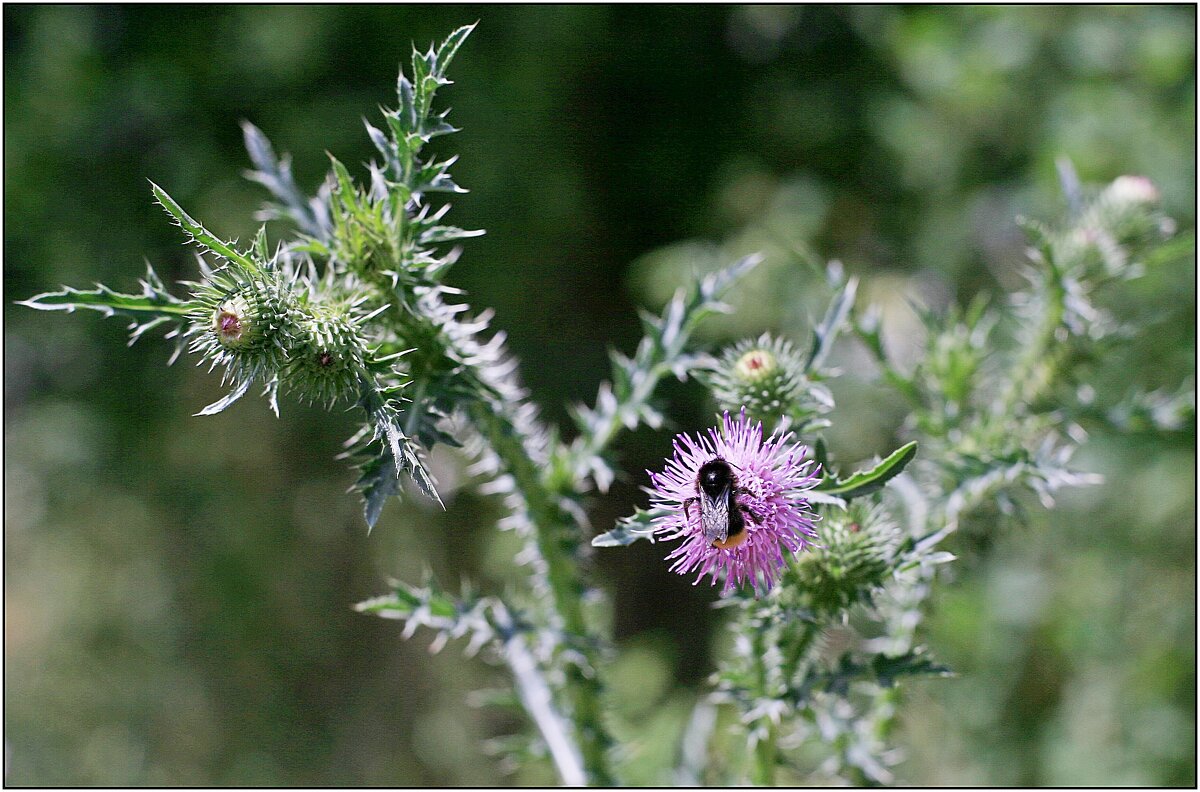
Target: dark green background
178,589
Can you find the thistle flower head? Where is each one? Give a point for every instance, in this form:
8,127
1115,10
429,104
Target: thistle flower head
765,500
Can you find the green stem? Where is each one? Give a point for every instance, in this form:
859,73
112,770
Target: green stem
791,662
538,700
765,759
554,534
765,750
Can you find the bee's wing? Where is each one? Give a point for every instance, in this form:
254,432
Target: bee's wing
714,516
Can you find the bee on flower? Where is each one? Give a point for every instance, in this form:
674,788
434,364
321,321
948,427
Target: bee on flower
737,501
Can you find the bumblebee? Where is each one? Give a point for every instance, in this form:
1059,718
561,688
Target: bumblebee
722,516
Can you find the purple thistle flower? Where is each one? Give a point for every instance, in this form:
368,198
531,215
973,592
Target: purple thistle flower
771,477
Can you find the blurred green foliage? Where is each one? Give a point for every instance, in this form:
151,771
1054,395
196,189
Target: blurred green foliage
178,589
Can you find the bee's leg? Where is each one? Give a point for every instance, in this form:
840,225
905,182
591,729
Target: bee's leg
687,514
753,515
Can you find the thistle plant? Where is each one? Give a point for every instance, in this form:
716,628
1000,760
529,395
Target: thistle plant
825,568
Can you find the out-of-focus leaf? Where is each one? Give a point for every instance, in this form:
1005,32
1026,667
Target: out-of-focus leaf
835,318
630,529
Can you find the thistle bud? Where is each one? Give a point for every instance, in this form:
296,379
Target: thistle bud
853,560
755,366
1132,191
765,376
243,324
233,324
326,359
1127,210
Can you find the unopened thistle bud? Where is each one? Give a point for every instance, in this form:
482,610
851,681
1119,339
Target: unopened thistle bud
1132,190
326,359
244,324
765,376
852,560
1127,209
234,325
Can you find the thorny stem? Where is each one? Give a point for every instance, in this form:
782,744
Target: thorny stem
538,701
1030,375
765,753
901,631
791,662
1033,371
552,534
764,758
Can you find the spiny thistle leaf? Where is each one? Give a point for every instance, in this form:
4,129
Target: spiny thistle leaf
427,606
887,668
379,481
881,669
625,402
381,468
238,392
201,235
429,73
146,306
826,333
275,173
449,48
154,307
864,482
